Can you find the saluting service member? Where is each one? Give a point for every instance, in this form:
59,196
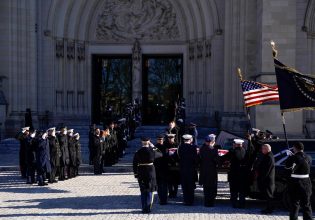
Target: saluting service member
144,171
173,129
209,159
55,154
78,158
187,153
72,154
22,137
300,185
64,159
98,149
31,158
42,158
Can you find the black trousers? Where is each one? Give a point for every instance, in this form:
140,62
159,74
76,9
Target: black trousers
300,191
238,194
162,191
209,192
172,190
30,173
54,170
62,173
147,198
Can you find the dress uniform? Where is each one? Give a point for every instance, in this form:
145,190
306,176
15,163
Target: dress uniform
42,158
300,186
187,153
22,137
237,174
72,154
78,158
64,159
173,129
31,158
144,171
98,149
55,154
161,168
209,159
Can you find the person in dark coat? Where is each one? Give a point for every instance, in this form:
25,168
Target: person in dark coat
266,177
31,158
173,129
237,173
22,137
78,159
64,159
300,185
55,154
104,137
188,161
144,171
209,159
72,154
91,139
173,165
161,168
98,149
192,130
42,158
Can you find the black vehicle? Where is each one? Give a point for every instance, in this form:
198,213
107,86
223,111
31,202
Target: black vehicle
282,175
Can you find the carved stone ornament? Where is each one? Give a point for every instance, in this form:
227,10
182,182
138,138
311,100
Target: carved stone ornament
136,51
70,50
126,20
59,48
81,51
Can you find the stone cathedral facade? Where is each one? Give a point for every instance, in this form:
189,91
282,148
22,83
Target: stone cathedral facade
50,50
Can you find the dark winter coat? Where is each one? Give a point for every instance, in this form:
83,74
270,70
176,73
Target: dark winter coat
43,156
266,175
55,152
209,159
63,143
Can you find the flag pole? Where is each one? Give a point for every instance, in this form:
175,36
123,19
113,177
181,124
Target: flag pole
240,75
274,54
284,129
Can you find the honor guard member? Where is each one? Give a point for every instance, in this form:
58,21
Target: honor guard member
42,158
91,138
237,173
72,154
187,153
161,168
64,159
266,177
300,185
22,137
55,153
78,160
144,171
209,159
173,165
31,158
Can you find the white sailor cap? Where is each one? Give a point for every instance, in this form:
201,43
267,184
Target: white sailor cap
170,135
25,129
238,141
122,120
180,120
187,136
76,134
255,130
70,131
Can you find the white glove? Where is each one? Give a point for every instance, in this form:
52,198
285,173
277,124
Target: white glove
289,153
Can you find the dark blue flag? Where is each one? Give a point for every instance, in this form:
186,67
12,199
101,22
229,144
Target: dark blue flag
296,90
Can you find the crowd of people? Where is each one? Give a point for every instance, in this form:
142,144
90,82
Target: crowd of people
108,145
176,159
49,156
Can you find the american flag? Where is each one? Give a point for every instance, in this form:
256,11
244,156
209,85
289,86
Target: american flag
256,93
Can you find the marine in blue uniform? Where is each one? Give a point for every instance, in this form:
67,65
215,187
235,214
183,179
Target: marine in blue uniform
300,185
144,171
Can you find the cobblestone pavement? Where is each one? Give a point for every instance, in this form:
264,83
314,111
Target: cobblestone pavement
113,195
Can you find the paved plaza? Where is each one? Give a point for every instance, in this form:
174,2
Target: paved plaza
113,195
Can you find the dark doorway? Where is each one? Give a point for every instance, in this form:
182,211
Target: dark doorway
162,87
111,89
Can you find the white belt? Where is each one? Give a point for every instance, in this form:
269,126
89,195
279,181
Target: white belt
145,164
302,176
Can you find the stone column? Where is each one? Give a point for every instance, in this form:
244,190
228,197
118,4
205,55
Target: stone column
136,71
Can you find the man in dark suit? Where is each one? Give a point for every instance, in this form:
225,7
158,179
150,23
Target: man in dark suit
144,171
209,159
266,177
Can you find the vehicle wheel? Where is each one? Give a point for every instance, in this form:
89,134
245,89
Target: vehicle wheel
286,200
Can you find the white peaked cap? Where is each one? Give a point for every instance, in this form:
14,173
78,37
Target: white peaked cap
70,130
238,141
187,136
